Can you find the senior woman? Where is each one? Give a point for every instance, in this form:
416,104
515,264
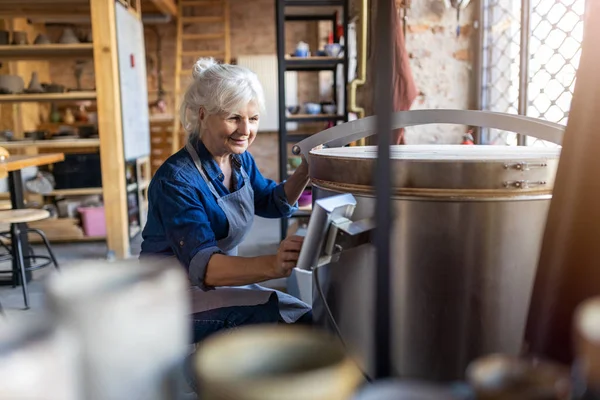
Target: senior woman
202,202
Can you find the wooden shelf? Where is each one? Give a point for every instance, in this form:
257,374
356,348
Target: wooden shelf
47,97
51,143
312,63
313,58
314,117
46,51
312,3
74,192
55,126
303,212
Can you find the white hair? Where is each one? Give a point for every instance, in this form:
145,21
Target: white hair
218,88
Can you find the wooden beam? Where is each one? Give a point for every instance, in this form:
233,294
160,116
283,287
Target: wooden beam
167,7
112,156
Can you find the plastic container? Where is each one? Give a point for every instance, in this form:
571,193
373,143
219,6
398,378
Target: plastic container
305,198
93,221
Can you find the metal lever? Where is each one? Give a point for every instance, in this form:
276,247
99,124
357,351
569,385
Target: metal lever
331,231
345,234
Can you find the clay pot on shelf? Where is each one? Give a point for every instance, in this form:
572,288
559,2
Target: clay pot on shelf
36,135
68,118
4,37
34,84
19,37
11,84
68,37
53,88
42,39
54,114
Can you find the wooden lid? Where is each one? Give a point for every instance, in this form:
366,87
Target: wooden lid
504,169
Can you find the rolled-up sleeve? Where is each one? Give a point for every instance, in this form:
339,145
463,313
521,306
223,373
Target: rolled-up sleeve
187,228
270,200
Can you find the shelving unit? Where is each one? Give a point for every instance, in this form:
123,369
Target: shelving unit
107,95
308,10
31,53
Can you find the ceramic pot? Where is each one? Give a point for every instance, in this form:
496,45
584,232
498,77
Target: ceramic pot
391,389
53,88
312,108
329,108
34,84
4,37
54,114
333,49
42,39
68,118
11,84
129,324
68,37
275,363
19,37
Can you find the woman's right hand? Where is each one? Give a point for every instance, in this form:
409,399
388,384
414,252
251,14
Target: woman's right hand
287,256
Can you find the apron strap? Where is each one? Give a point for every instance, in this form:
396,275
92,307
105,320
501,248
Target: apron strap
190,149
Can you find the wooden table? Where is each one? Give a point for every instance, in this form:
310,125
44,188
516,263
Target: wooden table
13,166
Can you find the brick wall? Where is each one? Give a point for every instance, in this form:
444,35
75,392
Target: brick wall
441,64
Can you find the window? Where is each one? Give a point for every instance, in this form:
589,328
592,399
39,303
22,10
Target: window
539,83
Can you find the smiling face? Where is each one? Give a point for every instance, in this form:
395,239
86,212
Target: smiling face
225,134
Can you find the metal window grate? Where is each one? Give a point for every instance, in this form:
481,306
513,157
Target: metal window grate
554,47
502,32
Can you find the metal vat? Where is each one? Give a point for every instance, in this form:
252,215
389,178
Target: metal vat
468,226
464,248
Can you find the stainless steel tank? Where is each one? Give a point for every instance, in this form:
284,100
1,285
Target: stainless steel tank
468,225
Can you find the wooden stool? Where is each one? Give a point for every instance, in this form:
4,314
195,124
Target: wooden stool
22,216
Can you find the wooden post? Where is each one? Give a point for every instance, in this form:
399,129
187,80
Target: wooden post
112,154
227,20
568,270
177,84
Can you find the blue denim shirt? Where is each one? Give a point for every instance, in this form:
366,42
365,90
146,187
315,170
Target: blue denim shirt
184,218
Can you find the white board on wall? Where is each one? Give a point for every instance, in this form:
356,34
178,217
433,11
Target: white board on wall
132,77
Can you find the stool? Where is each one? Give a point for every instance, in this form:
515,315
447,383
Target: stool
22,216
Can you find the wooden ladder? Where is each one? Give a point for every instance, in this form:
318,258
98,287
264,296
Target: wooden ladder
203,30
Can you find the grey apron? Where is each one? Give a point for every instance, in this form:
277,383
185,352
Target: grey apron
239,210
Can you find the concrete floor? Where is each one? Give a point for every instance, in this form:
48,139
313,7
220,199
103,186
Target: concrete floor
263,239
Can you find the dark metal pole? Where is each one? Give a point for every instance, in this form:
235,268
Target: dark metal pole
280,36
478,44
383,110
524,64
346,22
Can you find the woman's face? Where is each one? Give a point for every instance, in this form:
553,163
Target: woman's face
232,133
